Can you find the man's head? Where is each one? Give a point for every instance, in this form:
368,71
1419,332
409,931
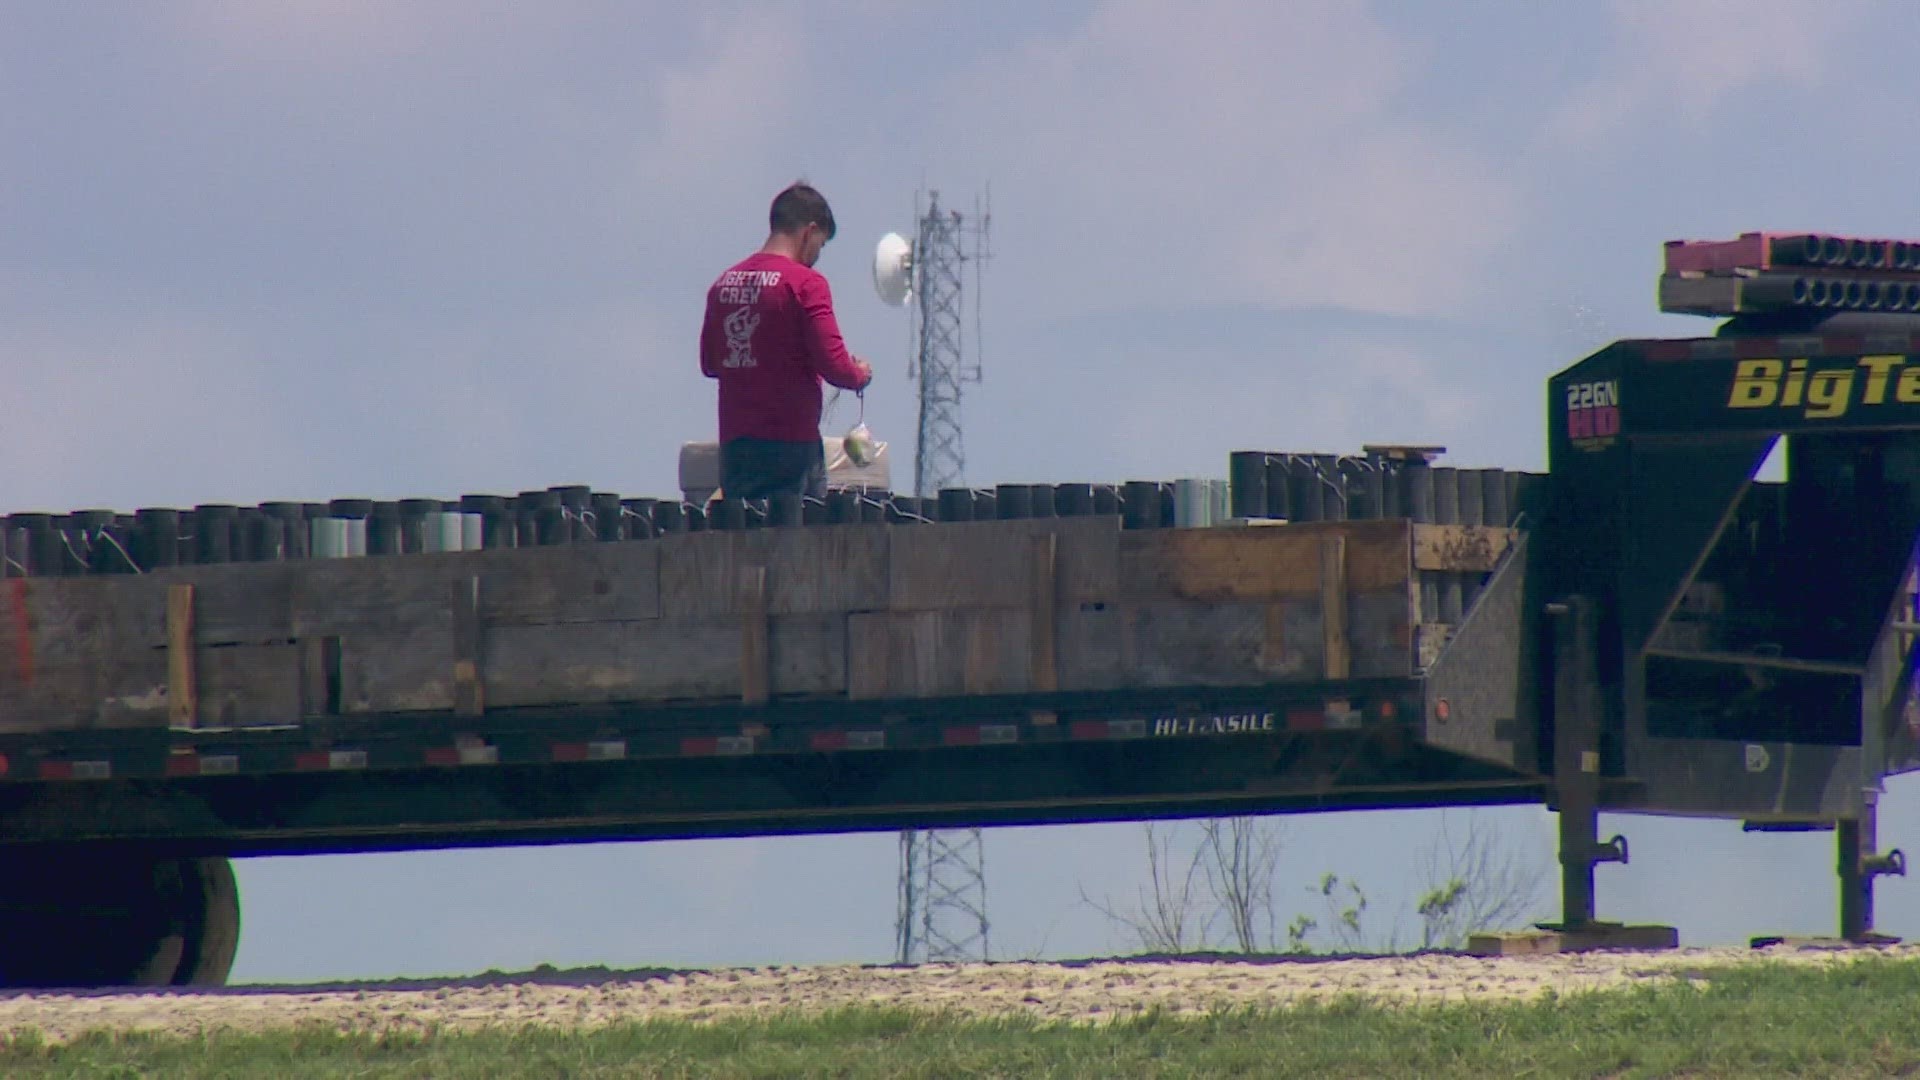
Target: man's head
801,222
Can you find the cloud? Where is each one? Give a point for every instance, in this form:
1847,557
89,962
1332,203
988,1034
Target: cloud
1227,153
1685,61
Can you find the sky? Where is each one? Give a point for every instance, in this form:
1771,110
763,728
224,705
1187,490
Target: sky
319,249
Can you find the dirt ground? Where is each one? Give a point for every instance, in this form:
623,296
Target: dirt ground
1091,991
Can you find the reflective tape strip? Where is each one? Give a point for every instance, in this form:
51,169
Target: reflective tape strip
716,745
599,750
1306,720
323,760
1107,729
847,740
76,770
980,734
1342,716
193,764
463,755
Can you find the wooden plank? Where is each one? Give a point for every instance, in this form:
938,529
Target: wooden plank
1044,675
400,670
1227,643
234,604
183,698
1269,563
563,584
697,573
525,586
1382,635
939,653
469,694
1088,647
659,661
1337,651
243,686
1474,549
979,563
1250,642
812,571
826,571
233,686
869,654
755,677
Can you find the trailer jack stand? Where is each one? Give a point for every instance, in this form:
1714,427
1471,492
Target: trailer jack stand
1859,864
1576,753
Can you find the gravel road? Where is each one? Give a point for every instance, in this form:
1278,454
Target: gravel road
1077,992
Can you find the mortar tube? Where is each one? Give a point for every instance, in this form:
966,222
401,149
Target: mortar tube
1012,502
383,528
986,505
1139,504
956,504
413,524
636,517
1072,500
1247,483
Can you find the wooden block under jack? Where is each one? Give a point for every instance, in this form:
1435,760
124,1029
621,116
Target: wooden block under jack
1547,938
1867,941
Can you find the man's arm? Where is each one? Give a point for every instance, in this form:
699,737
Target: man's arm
826,351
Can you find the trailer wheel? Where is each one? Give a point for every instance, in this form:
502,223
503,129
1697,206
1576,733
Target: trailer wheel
82,917
211,934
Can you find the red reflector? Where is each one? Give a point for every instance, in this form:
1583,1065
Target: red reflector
1306,720
960,736
828,740
570,751
183,765
443,755
312,759
1088,729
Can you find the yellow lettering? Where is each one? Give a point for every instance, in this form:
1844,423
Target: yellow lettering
1879,370
1756,384
1828,393
1796,383
1907,390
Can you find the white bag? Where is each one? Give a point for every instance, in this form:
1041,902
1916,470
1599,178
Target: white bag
858,444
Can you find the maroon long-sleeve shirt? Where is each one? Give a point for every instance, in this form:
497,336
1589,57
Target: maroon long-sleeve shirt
770,338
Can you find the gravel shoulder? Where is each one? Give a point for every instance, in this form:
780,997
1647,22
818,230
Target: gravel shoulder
1073,992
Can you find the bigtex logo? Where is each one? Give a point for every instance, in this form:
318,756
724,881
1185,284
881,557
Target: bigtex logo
1825,392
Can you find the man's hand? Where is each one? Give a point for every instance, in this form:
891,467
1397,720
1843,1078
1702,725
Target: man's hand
866,372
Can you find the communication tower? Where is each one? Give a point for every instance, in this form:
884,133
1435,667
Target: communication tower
943,887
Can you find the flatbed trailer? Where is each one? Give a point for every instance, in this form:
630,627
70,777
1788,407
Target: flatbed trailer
1643,628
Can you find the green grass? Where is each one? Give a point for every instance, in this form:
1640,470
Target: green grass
1857,1019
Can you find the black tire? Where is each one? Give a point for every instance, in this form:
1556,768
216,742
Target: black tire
211,934
80,917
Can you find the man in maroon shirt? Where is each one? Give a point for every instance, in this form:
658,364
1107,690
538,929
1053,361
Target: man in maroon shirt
770,338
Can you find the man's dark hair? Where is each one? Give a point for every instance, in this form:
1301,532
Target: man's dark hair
799,206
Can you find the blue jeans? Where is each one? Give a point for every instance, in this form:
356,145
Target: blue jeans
763,468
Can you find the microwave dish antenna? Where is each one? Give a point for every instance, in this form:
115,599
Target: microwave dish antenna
893,269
